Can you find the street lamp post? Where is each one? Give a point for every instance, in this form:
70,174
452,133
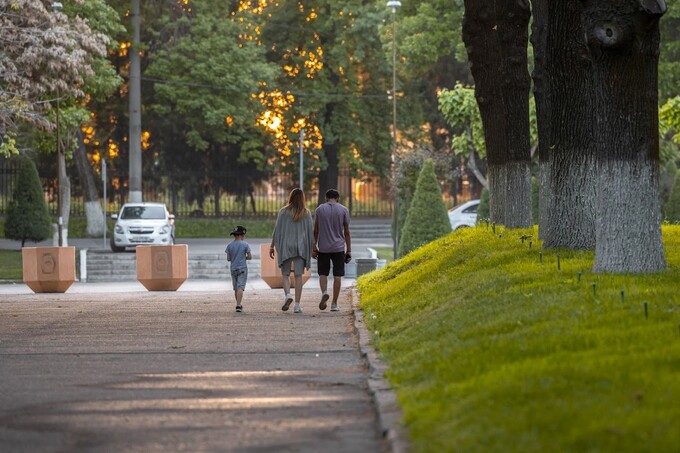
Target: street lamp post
57,6
394,5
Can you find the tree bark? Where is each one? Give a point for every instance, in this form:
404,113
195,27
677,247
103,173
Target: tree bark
65,195
563,92
623,41
328,178
93,209
496,38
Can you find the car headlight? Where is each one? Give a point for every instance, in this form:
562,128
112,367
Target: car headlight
165,229
119,229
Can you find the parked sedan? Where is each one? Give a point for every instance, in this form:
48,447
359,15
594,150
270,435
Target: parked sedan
464,215
142,223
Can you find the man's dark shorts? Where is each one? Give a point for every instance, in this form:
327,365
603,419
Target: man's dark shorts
324,263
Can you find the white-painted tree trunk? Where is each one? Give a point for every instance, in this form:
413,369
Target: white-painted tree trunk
95,219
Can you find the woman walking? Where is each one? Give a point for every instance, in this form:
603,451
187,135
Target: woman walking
293,239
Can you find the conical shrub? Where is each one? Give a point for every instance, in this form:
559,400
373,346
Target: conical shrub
673,205
427,217
27,216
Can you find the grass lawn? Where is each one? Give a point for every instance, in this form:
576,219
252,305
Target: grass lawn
385,253
491,347
186,227
10,265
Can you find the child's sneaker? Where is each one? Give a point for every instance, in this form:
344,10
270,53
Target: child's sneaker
239,309
287,302
334,307
324,300
297,309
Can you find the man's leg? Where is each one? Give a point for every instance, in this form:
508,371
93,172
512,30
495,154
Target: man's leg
323,283
337,283
323,268
239,296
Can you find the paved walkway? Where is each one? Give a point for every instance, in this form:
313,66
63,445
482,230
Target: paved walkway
130,370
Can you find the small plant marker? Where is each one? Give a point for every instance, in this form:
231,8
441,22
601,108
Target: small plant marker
646,305
540,257
578,277
622,296
558,262
594,289
529,244
493,227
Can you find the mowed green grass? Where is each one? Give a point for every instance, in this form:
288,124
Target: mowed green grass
491,348
10,265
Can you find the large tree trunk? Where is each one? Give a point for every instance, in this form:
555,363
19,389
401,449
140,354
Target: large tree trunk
623,40
328,178
496,38
93,209
563,93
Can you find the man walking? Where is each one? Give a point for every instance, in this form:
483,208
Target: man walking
332,245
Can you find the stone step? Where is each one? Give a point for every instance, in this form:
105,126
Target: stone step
103,267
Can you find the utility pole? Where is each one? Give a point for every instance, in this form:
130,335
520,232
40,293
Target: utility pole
394,5
135,100
302,159
61,170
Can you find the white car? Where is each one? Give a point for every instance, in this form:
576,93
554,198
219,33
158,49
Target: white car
464,215
142,223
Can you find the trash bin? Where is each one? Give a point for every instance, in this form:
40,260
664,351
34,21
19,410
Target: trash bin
366,265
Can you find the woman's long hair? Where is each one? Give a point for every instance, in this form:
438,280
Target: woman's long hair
296,203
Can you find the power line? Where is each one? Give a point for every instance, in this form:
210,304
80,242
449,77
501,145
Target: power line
226,88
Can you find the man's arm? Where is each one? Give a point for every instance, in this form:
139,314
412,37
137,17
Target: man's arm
348,239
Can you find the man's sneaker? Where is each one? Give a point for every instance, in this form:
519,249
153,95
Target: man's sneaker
239,309
297,309
334,307
324,299
288,301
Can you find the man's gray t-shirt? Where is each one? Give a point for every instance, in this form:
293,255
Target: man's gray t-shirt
332,218
237,250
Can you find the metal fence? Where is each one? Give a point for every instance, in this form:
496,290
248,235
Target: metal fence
364,195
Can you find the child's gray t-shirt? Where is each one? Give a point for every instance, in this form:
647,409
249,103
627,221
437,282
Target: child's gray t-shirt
237,251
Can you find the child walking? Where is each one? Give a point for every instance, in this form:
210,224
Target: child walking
238,251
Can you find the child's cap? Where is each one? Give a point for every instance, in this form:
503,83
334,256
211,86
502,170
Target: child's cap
238,231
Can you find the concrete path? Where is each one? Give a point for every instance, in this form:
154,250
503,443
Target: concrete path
129,370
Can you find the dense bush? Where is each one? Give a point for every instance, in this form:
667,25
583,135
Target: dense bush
483,209
427,217
673,205
666,180
27,216
407,177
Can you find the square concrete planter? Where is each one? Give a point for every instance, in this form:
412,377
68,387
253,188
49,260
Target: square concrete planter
270,272
162,267
49,269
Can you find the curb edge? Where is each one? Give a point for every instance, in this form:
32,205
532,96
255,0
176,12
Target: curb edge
385,399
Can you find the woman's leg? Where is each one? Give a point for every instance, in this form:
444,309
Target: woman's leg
299,268
286,283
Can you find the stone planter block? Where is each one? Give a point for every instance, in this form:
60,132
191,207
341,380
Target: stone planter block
49,269
270,272
162,267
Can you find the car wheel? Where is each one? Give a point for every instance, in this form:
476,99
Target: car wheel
115,248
